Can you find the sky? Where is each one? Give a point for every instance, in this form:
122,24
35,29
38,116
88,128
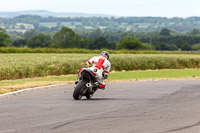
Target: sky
154,8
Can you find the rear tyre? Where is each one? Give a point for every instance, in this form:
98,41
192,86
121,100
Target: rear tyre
77,95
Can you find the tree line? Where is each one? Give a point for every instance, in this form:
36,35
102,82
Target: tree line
67,38
139,24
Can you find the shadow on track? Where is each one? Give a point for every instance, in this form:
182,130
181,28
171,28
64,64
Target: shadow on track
108,99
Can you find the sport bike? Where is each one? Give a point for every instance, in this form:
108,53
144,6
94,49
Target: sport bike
86,84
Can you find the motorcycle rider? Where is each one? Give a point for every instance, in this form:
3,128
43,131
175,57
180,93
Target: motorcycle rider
101,66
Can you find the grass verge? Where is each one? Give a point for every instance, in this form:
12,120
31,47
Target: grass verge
14,85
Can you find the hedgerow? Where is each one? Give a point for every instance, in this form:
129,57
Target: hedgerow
17,66
87,51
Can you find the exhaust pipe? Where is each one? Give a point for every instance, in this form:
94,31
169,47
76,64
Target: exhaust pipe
88,85
92,85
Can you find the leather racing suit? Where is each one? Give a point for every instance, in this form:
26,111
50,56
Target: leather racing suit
102,67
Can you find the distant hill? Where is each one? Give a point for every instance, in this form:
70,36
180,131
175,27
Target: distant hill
39,20
45,13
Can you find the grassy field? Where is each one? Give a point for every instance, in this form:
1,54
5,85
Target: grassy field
18,66
13,85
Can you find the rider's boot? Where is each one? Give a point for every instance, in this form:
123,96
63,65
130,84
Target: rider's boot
102,86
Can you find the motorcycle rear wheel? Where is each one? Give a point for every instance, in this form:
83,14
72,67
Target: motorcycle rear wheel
77,95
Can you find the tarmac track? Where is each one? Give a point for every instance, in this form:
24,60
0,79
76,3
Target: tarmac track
123,107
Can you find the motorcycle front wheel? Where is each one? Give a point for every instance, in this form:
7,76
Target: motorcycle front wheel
89,96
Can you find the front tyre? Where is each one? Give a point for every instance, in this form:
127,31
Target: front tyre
89,96
77,95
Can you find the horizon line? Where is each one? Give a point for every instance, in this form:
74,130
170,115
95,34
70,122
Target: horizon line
103,14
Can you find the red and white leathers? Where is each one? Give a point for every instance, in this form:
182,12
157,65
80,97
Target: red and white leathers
101,66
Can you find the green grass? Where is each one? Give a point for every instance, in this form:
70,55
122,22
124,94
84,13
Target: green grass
21,81
129,75
155,74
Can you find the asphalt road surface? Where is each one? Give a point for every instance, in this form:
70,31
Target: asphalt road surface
123,107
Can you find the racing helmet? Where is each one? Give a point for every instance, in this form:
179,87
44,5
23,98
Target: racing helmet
106,54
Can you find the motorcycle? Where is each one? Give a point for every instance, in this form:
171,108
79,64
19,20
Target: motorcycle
86,84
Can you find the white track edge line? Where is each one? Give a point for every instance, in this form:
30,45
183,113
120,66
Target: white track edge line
27,89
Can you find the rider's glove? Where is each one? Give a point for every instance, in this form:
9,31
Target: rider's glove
87,63
105,75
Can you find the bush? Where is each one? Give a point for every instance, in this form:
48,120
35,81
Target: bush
129,43
40,40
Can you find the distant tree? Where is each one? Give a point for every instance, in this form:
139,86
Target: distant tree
111,45
186,47
183,45
36,25
30,33
180,42
22,27
43,29
54,29
99,42
164,46
66,38
59,23
4,38
7,26
165,32
195,31
96,33
13,26
147,46
196,47
40,40
85,43
19,43
129,43
173,47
